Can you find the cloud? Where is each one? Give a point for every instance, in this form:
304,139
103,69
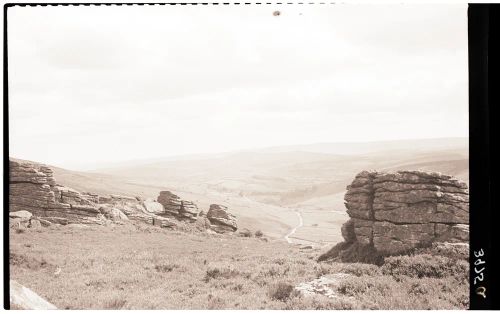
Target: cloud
115,83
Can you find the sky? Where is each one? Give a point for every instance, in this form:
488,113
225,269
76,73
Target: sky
104,84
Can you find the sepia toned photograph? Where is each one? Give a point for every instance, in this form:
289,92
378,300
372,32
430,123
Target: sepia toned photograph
244,157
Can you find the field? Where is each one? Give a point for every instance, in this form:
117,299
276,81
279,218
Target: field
144,267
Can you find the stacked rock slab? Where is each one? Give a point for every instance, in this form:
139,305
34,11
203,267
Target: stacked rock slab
400,211
133,208
32,188
220,219
175,207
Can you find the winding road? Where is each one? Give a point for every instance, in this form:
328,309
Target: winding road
301,223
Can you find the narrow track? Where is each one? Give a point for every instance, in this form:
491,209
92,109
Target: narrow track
301,223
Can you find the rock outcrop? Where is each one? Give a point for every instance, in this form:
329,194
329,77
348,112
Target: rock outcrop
401,211
32,188
34,191
220,219
177,208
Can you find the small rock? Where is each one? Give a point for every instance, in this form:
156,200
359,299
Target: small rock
153,207
34,223
22,214
325,285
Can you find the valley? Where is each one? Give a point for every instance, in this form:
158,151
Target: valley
266,189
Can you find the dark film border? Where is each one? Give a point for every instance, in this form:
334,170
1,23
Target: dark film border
482,30
6,255
481,34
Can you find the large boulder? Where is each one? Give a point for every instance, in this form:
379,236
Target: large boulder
401,211
113,214
177,208
21,214
171,203
220,219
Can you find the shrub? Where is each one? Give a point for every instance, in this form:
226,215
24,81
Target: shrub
215,302
425,266
245,233
220,272
280,261
417,288
273,271
451,250
165,268
259,233
280,291
356,286
27,261
358,269
352,253
318,303
333,253
322,269
115,304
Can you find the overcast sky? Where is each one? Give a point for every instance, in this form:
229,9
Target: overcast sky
101,84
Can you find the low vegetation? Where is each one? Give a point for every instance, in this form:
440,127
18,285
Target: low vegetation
142,267
347,252
281,291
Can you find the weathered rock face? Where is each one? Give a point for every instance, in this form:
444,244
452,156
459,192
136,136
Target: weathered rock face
125,204
396,212
33,189
177,208
220,219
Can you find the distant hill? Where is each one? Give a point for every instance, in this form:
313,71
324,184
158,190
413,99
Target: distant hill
263,187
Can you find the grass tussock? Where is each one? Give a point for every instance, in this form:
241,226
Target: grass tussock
224,272
28,261
115,304
165,268
359,269
281,291
245,233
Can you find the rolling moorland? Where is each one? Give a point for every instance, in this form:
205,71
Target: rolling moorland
274,189
283,194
